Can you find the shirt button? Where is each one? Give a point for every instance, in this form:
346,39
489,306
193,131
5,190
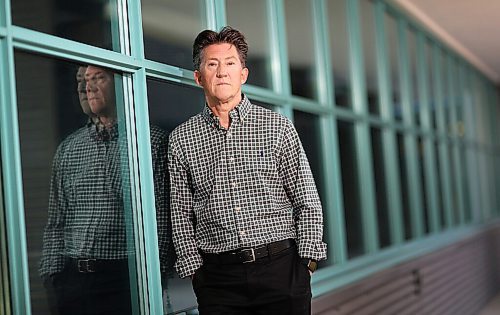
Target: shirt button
242,233
237,209
231,159
234,184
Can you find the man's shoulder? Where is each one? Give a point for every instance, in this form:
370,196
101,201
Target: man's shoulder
261,114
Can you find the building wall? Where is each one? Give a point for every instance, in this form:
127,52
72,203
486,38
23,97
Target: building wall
458,279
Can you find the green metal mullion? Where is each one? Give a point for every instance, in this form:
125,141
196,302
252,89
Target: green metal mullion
411,156
495,117
441,126
147,198
333,200
280,73
457,169
3,31
12,182
210,14
391,162
136,34
471,158
5,307
362,132
429,157
128,174
220,13
53,46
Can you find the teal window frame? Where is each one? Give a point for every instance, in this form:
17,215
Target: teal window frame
479,152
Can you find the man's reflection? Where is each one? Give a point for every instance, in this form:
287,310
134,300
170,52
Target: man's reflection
85,254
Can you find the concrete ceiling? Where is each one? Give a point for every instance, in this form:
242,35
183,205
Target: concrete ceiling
470,26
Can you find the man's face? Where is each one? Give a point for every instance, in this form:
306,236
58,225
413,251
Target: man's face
82,90
221,74
100,90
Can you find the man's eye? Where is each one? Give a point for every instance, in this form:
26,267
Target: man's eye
230,63
212,64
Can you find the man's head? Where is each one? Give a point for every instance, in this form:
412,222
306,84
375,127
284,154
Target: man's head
100,87
226,35
82,90
219,61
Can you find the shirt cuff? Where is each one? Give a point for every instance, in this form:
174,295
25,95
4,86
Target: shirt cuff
312,249
186,266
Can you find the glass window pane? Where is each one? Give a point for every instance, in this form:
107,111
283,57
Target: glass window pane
369,52
425,198
170,28
89,22
300,34
380,187
241,15
403,179
391,31
415,102
339,52
350,189
77,189
431,88
178,294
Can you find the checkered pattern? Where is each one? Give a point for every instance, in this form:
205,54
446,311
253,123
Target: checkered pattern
86,205
245,186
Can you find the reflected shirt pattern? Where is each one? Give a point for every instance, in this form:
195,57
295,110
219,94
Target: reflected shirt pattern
244,186
86,204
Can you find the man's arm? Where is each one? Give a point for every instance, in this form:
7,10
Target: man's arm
181,207
159,145
299,185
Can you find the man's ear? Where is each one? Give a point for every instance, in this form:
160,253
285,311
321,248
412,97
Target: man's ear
244,75
197,77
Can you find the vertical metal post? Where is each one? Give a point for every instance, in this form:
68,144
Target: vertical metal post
390,153
362,132
330,160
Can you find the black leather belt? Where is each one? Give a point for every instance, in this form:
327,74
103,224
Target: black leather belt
85,265
248,255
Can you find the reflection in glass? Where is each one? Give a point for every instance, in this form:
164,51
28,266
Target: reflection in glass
431,86
170,27
299,29
369,52
337,13
380,188
241,15
89,22
78,208
350,189
439,185
169,105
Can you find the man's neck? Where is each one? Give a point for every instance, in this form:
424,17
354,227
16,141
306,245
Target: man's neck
107,122
222,109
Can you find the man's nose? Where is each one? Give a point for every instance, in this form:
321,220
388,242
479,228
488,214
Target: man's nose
221,71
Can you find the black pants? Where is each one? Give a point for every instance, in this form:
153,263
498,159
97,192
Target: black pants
273,285
99,293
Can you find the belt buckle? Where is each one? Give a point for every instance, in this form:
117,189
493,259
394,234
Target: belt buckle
86,265
253,255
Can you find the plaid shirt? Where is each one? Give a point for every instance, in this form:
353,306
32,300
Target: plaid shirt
86,204
242,187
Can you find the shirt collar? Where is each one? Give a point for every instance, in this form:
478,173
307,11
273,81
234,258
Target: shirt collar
100,133
238,113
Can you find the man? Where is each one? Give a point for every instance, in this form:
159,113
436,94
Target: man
246,216
85,255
